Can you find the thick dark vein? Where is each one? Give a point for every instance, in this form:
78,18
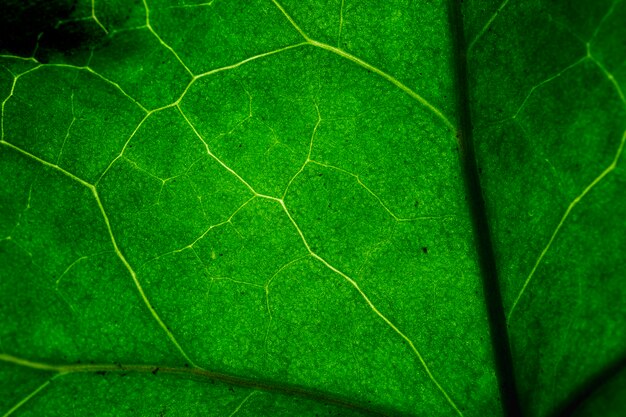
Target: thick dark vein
491,285
199,374
590,388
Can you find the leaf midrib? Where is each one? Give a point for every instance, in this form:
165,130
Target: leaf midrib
491,284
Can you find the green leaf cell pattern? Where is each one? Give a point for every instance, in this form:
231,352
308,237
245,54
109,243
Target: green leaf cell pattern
262,208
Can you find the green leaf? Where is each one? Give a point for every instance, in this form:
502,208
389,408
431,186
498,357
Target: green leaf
550,127
308,208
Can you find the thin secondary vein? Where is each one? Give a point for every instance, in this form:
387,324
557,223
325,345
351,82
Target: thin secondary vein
69,129
487,25
69,268
340,23
132,273
569,209
95,17
293,23
125,262
82,68
269,281
374,309
241,404
308,156
20,58
119,254
28,364
546,81
11,92
196,240
162,42
388,77
46,163
585,191
27,398
437,113
141,122
105,79
603,20
252,58
365,187
367,66
607,73
212,155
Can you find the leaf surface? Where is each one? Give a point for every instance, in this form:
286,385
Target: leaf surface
267,208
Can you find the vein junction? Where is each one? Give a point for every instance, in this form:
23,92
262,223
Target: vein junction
610,168
369,67
93,187
60,370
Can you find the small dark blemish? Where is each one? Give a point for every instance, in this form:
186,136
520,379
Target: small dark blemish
425,249
103,373
154,371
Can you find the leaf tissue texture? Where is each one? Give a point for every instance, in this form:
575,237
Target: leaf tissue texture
289,208
549,118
